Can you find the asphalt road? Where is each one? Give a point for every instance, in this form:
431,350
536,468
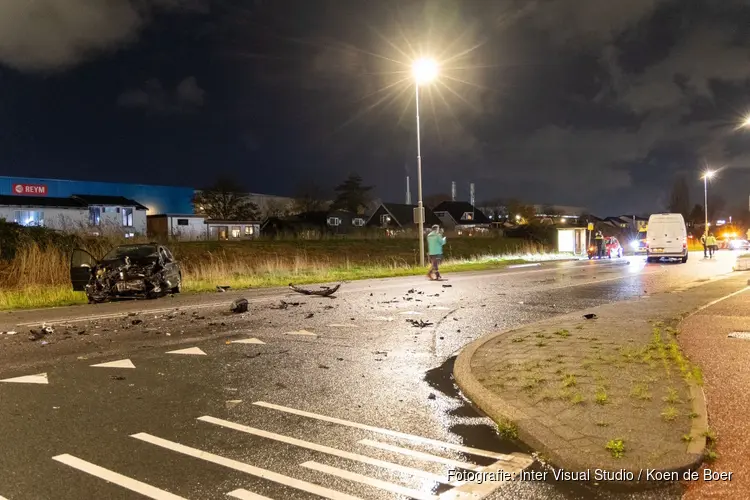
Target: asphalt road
344,396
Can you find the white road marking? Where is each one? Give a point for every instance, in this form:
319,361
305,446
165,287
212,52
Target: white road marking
301,332
113,477
193,351
246,468
419,455
122,363
3,498
410,313
40,378
478,490
516,266
324,449
377,483
246,495
402,435
247,341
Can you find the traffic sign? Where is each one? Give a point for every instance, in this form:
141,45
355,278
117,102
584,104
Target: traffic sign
419,215
591,226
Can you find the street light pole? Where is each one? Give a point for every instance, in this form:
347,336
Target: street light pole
419,185
705,205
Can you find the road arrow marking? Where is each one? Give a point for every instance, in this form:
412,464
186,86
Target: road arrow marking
247,341
40,378
122,363
195,351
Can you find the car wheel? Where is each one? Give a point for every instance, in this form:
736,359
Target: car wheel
685,258
178,288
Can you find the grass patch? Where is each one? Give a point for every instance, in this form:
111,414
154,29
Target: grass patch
711,456
670,414
692,415
577,399
640,391
518,339
507,429
562,333
601,396
602,424
616,447
39,276
710,436
569,380
672,396
687,438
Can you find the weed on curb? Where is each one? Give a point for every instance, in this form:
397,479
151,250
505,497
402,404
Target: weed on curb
616,447
507,429
640,391
601,396
672,397
569,380
687,438
577,399
670,413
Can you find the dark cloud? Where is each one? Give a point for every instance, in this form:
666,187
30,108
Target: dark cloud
52,35
153,97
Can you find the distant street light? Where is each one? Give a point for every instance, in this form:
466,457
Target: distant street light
707,175
746,122
424,71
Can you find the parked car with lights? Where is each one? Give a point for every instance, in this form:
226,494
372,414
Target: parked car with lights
612,249
639,245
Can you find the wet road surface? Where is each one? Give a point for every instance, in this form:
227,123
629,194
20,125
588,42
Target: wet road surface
344,397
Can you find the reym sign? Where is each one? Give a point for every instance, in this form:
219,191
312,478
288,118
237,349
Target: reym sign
30,189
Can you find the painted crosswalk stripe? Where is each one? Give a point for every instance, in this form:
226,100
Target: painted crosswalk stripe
113,477
419,455
247,341
402,435
302,332
410,313
325,449
246,495
246,468
40,378
482,489
370,481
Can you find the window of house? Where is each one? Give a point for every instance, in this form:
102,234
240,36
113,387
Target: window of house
110,210
467,216
249,230
334,221
358,222
95,216
385,219
182,222
236,231
127,217
29,217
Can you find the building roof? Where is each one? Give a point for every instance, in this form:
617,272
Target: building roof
41,201
403,214
95,199
457,209
230,222
196,216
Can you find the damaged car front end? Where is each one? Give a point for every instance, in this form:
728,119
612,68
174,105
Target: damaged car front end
128,271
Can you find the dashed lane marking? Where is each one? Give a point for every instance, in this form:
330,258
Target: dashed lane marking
246,468
246,495
369,481
192,351
402,435
247,341
420,455
324,449
302,332
40,378
122,363
113,477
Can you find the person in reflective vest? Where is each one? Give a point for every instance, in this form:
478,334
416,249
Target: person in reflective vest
704,242
712,245
599,238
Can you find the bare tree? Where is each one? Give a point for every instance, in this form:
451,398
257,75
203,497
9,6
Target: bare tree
225,200
309,197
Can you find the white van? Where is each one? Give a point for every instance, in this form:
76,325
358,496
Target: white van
666,237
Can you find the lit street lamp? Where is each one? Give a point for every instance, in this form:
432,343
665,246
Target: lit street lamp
707,175
424,71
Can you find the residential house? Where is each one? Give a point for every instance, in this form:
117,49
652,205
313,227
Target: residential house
183,227
462,216
313,224
399,217
232,230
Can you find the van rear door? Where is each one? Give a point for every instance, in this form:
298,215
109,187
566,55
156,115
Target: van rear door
673,237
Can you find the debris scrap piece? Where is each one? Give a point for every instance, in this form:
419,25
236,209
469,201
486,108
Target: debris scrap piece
324,291
590,316
238,306
447,286
419,323
283,305
136,322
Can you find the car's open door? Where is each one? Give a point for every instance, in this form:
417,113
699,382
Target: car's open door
81,264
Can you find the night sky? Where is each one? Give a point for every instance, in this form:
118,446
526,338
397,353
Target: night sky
593,103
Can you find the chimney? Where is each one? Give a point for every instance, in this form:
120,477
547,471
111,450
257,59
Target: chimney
408,192
453,191
471,195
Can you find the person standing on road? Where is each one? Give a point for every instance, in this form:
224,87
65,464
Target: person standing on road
712,246
435,242
599,244
704,242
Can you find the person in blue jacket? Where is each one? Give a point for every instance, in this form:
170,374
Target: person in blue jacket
435,242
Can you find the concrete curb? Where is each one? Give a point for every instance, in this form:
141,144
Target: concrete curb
527,429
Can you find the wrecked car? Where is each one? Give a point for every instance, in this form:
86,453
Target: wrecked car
128,271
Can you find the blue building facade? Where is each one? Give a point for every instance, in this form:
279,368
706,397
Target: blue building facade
158,199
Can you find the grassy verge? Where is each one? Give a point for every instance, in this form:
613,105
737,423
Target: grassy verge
205,278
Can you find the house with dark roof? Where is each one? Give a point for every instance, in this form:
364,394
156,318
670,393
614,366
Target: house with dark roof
399,217
310,224
91,213
462,216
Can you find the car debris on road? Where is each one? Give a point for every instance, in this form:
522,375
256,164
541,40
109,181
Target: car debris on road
324,291
239,306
